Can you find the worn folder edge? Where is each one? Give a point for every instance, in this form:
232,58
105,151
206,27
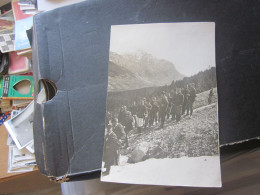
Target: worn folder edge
43,162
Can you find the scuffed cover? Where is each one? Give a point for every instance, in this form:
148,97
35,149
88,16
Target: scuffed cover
68,129
72,51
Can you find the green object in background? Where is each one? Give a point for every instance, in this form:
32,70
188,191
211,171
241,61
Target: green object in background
1,86
16,87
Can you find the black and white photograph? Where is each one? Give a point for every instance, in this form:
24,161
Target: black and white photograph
162,110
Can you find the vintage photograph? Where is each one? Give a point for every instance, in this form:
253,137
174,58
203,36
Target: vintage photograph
162,111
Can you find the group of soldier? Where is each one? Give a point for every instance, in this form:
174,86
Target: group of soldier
145,113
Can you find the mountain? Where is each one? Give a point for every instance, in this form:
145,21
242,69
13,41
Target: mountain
134,71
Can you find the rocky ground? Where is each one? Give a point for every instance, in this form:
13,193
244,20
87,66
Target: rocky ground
182,153
191,137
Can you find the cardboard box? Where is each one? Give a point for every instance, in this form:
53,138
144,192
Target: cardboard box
70,57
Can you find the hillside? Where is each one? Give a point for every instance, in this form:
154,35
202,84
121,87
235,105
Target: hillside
203,80
192,137
134,71
192,143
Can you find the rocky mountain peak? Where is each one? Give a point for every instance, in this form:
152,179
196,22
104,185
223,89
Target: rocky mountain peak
138,70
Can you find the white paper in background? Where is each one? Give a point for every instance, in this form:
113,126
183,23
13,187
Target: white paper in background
14,113
45,5
31,12
30,147
10,141
21,170
27,8
20,160
21,126
155,71
22,155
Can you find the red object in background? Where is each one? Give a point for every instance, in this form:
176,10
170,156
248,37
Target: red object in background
18,13
3,117
18,64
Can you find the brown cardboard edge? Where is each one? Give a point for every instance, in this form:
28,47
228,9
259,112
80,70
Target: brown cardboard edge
77,176
239,142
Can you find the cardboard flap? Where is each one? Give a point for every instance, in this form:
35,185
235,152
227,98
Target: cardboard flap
69,128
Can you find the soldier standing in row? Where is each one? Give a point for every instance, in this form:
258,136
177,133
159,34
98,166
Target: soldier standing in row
173,99
134,109
169,107
185,93
122,114
111,148
148,108
179,104
154,111
163,108
142,113
129,124
118,129
127,120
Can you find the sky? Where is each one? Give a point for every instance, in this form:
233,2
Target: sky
189,46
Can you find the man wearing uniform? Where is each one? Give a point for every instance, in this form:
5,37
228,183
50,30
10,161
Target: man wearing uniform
122,114
111,149
163,108
169,107
118,129
185,93
153,112
142,113
148,109
133,109
179,104
129,123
